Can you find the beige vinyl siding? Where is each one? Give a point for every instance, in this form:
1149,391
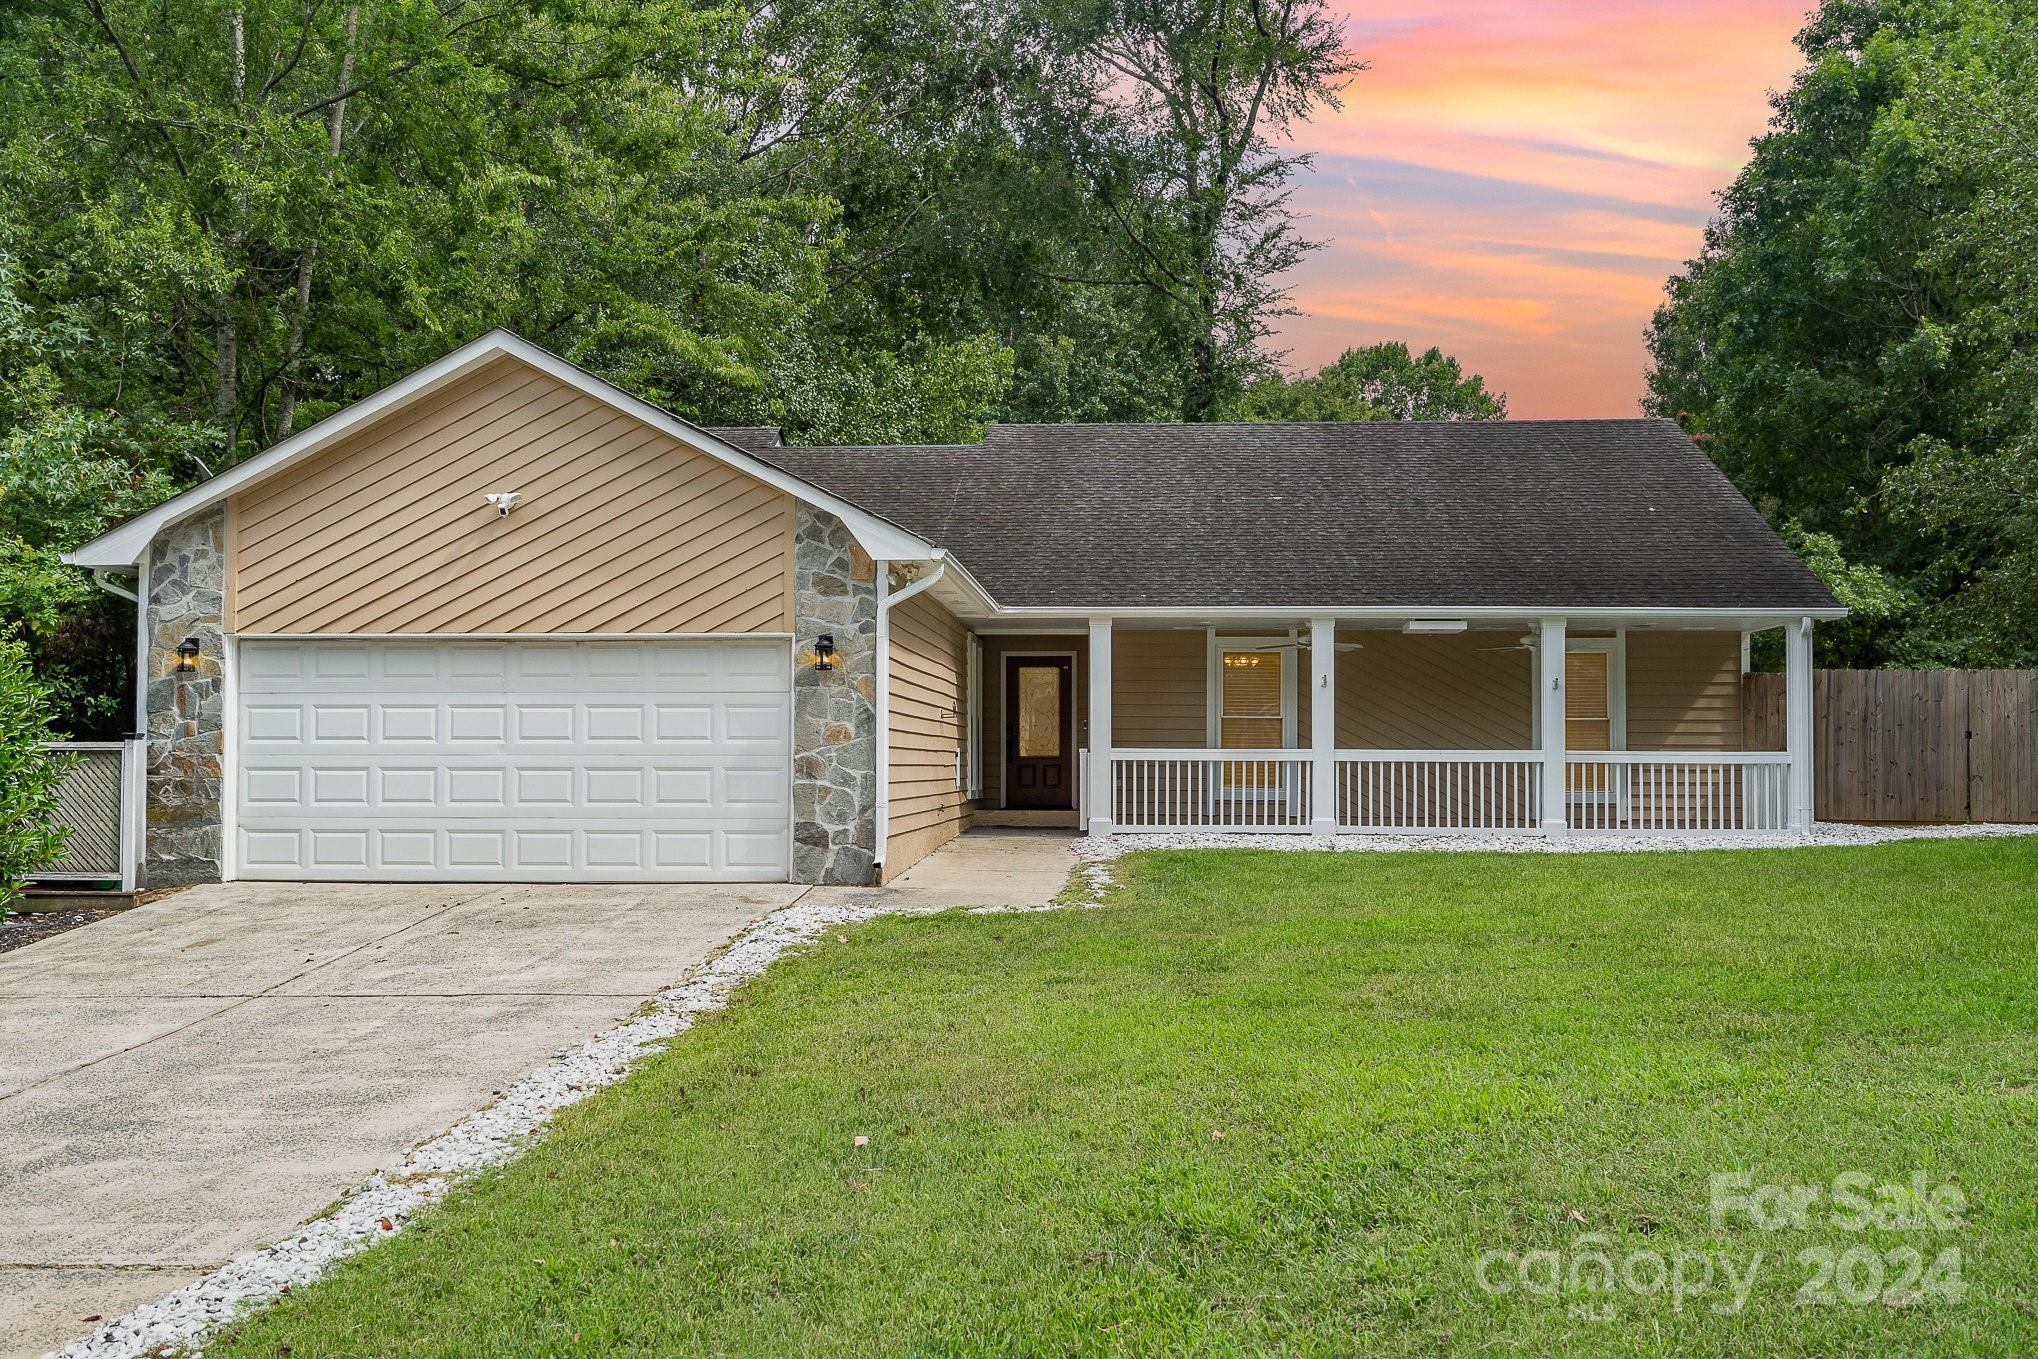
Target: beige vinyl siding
1684,690
620,528
1158,679
929,717
1399,692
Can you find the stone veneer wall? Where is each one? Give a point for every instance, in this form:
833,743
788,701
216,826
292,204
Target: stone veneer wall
187,728
834,711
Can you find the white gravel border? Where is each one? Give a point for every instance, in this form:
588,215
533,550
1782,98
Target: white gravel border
1824,833
381,1205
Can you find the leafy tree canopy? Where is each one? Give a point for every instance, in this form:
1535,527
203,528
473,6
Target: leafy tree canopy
1854,343
1378,382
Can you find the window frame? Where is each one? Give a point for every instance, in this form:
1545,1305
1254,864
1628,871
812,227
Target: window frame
1615,649
1287,646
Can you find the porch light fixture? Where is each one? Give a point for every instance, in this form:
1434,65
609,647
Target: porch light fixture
824,651
1239,660
187,656
1419,625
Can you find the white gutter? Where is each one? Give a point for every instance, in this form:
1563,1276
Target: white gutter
886,602
101,576
1227,613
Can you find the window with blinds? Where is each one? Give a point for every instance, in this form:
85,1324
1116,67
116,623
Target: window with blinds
1249,711
1588,716
1588,719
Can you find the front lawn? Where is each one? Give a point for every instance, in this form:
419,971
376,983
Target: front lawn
1289,1103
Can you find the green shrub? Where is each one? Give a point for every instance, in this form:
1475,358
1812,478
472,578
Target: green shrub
29,834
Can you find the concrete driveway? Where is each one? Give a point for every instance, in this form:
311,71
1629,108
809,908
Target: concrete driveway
199,1075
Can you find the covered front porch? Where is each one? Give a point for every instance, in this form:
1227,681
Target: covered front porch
1434,724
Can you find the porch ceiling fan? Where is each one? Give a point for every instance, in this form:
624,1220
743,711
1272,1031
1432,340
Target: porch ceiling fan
1526,642
1299,643
1293,640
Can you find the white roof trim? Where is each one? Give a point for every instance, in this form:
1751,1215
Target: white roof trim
124,547
1765,615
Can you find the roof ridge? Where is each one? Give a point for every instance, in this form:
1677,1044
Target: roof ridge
1509,423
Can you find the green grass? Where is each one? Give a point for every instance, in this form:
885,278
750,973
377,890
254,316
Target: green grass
1410,1059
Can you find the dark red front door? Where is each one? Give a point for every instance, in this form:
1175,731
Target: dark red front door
1040,726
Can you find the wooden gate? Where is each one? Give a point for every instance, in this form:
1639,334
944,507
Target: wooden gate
99,805
1912,745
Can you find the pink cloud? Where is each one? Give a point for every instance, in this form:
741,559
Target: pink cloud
1515,181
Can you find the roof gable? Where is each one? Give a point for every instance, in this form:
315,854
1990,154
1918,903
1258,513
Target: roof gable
122,547
618,528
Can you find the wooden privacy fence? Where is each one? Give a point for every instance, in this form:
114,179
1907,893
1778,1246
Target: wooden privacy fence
1912,745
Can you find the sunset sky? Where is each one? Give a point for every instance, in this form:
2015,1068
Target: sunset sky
1514,181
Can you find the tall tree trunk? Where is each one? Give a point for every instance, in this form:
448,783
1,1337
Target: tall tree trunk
226,340
300,297
1205,221
237,44
226,363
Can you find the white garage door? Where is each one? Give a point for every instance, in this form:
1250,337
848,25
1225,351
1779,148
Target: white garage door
527,761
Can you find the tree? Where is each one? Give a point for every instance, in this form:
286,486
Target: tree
1171,110
66,473
29,834
1377,382
1852,345
1975,494
278,206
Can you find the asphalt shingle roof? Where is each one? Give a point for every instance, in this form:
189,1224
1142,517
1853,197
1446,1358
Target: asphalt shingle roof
1558,513
749,438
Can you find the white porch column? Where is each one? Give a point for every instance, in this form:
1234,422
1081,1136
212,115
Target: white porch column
1550,723
1322,726
1797,711
1100,727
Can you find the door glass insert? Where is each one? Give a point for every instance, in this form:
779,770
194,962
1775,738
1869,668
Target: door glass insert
1039,703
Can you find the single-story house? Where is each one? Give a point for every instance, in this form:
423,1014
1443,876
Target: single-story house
504,621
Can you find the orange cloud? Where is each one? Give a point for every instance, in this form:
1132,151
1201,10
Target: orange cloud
1514,181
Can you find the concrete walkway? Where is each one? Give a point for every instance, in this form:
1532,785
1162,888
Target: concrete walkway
199,1075
989,868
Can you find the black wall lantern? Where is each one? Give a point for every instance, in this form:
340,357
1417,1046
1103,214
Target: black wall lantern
187,656
824,651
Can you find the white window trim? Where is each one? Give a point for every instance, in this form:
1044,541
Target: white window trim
1615,648
1213,681
973,731
1075,697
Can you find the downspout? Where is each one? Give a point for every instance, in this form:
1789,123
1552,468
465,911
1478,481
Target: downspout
886,602
104,581
101,578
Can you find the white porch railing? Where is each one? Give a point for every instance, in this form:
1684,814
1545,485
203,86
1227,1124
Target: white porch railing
1677,792
1445,792
1438,791
1210,790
